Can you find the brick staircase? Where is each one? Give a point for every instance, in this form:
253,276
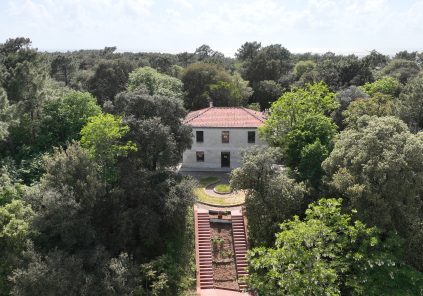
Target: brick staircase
240,246
203,250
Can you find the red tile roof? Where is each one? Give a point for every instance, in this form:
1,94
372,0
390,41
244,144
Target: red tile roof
225,117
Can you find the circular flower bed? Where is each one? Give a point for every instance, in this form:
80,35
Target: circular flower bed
222,189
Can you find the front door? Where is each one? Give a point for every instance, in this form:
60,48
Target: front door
226,159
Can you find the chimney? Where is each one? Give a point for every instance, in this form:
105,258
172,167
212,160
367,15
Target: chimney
211,104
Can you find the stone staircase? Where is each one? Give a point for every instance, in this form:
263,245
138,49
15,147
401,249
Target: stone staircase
203,250
240,246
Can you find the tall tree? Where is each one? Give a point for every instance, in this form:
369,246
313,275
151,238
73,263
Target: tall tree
410,104
385,85
109,79
328,253
103,136
342,71
270,63
307,145
345,98
266,92
271,195
376,60
62,69
64,117
402,70
5,114
292,107
155,127
155,83
26,73
248,50
208,82
375,165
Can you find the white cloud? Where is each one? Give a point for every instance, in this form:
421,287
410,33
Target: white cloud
184,3
175,25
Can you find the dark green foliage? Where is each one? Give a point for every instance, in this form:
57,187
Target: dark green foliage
402,70
271,195
196,80
155,127
269,63
109,79
206,82
72,235
375,165
345,98
266,92
248,51
340,72
62,69
410,104
376,60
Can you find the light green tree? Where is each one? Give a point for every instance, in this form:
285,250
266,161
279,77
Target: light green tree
15,219
292,107
154,82
386,85
307,145
63,118
378,105
102,137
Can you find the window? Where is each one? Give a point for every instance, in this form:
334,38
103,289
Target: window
251,137
200,156
199,135
225,137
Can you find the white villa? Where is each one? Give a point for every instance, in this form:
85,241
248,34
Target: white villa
219,135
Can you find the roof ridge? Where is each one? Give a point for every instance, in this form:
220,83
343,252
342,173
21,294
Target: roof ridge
199,113
252,114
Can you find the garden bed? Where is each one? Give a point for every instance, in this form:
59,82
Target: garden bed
222,189
224,268
206,195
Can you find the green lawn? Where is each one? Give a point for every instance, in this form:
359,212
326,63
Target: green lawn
223,188
209,180
227,200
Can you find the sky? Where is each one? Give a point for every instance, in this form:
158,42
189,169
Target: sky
340,26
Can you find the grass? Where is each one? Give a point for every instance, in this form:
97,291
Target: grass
223,188
209,180
228,200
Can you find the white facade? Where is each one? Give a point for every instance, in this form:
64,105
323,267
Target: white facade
213,146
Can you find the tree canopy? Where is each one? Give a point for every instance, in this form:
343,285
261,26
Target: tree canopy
375,166
92,203
292,107
328,253
272,196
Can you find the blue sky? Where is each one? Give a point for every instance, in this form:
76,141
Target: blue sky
341,26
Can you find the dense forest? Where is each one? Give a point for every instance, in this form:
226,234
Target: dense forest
91,202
